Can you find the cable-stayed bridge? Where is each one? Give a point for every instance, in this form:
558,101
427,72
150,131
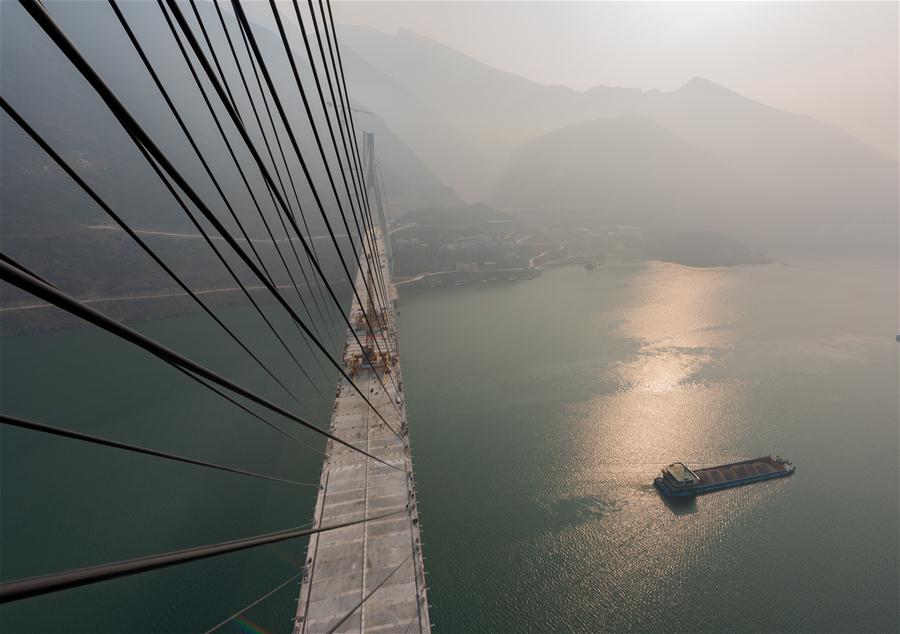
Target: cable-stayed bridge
372,573
287,141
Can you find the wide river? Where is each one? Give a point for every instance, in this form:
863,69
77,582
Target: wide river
540,412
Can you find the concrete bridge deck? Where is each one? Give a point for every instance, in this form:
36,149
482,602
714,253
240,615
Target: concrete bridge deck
370,573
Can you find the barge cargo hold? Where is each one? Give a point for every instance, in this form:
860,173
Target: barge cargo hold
677,480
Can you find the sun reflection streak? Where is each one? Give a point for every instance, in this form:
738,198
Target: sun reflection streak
681,319
683,322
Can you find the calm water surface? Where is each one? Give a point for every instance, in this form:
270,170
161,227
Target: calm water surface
66,504
540,412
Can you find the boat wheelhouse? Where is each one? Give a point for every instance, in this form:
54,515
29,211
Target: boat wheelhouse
677,480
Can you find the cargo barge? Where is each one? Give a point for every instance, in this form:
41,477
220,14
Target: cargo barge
678,480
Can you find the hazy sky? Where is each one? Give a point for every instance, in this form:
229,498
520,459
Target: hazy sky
836,61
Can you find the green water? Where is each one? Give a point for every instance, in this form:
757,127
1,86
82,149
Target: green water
66,504
540,412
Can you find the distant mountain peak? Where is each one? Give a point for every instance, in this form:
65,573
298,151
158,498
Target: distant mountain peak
701,85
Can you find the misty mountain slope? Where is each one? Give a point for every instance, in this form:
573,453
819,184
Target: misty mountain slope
452,157
810,169
629,169
51,94
803,183
463,217
408,182
499,110
50,224
495,109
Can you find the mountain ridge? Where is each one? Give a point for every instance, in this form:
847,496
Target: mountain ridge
694,82
811,183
